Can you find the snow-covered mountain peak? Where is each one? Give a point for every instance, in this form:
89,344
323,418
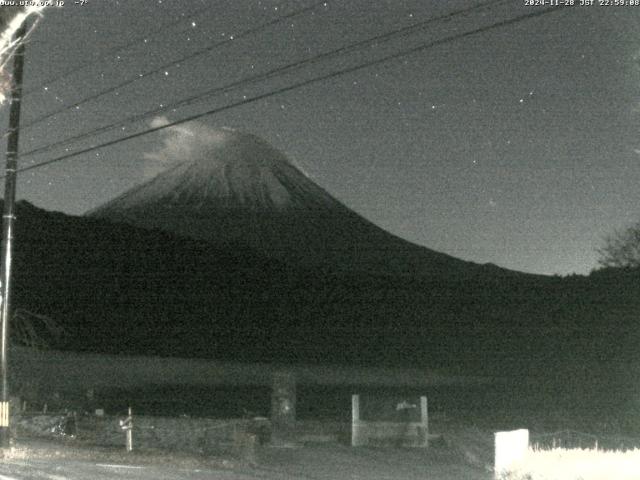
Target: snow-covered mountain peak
233,188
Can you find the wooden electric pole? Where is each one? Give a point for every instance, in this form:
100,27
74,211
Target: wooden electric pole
8,218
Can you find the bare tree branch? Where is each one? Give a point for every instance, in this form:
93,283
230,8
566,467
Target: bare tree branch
33,330
621,249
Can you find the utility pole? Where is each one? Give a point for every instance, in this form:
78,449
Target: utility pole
8,218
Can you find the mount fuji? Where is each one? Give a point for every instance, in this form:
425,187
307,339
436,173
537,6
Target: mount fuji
240,191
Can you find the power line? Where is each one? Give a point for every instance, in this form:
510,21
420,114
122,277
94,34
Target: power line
141,39
165,66
266,75
301,84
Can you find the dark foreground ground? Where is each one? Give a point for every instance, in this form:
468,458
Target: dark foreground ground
39,459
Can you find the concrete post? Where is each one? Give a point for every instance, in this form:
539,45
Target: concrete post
510,449
283,409
356,431
424,419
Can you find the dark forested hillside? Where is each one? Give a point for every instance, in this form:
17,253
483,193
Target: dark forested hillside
117,288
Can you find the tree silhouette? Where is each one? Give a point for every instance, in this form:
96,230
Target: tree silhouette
33,330
621,249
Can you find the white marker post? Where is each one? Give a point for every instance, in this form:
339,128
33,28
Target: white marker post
127,425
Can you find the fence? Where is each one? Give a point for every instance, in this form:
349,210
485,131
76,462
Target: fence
193,435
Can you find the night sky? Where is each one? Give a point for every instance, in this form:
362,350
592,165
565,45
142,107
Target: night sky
517,145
